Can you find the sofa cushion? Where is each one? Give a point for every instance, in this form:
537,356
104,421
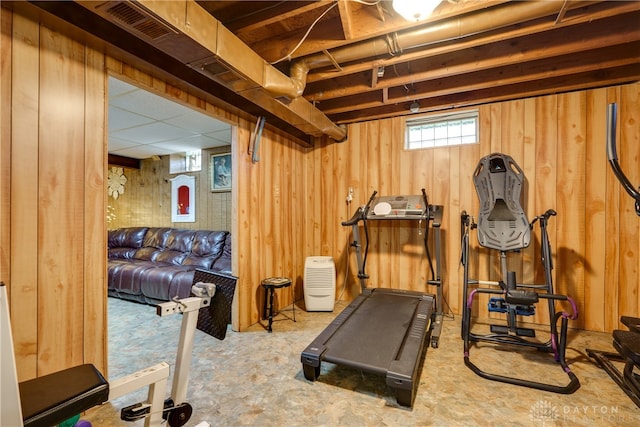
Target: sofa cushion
156,237
131,237
180,240
223,264
148,253
207,247
155,283
124,242
126,279
177,247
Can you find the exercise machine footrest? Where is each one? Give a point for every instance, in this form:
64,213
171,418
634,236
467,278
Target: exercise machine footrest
521,332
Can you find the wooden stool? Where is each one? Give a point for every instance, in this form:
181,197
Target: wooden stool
270,285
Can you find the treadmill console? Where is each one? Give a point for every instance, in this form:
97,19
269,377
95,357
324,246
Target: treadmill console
397,207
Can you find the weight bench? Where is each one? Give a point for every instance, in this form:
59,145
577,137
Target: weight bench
627,344
47,400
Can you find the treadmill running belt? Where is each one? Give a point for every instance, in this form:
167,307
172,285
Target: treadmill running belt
369,338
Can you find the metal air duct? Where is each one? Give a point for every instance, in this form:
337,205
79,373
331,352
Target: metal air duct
188,33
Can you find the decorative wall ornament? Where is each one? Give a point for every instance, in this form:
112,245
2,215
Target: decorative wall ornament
183,198
115,182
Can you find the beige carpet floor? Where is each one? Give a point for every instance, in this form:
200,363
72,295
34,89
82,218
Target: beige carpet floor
255,378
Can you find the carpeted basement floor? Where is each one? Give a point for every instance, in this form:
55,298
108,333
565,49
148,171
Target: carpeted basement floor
255,378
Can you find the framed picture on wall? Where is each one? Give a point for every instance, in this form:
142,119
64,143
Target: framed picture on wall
220,168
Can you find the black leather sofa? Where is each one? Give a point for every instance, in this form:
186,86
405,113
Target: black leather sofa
153,264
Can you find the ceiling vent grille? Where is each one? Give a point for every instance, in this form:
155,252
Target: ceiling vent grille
143,23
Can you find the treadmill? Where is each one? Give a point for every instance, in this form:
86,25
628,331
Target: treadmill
384,331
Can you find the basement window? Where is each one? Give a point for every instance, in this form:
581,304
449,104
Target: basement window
442,130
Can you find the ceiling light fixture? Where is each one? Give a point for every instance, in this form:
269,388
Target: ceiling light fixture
414,107
415,10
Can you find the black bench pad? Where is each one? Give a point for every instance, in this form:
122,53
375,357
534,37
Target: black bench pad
628,343
54,398
633,323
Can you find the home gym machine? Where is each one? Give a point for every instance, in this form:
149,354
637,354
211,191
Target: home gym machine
385,331
626,343
54,398
503,226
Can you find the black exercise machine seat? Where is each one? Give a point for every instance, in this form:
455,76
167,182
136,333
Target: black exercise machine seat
54,398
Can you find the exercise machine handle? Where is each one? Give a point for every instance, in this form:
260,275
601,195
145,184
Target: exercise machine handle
365,212
612,155
361,213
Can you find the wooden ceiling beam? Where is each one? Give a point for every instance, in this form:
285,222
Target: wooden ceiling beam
517,75
495,94
365,24
492,56
618,11
344,6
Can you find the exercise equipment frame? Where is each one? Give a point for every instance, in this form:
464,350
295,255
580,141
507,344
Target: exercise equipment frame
383,331
626,343
505,229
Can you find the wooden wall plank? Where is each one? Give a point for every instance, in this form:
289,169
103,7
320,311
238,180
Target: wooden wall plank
61,196
24,192
6,23
529,255
570,189
629,154
95,264
546,154
595,215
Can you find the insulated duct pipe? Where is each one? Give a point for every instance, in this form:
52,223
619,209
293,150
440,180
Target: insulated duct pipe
449,29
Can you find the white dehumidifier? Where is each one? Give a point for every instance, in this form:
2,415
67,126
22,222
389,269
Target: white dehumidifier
319,283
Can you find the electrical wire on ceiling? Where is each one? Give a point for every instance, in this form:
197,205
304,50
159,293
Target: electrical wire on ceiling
288,56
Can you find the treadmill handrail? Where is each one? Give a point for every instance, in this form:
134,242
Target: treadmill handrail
357,216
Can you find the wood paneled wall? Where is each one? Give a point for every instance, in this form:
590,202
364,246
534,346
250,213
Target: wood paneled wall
290,204
147,198
559,142
53,163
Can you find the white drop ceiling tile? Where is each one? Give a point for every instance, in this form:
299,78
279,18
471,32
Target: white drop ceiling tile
120,119
198,122
142,152
119,144
118,87
221,135
149,105
142,124
198,142
153,132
